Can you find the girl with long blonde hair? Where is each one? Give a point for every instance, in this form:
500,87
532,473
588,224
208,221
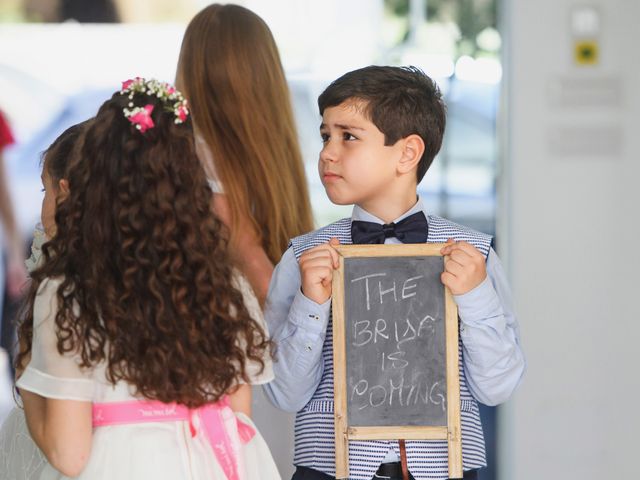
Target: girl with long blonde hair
231,74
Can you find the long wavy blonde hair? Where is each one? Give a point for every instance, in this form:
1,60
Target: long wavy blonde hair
231,74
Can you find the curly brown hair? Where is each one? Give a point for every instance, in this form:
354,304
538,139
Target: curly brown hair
147,285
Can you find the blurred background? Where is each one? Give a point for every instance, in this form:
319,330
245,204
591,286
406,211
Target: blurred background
541,150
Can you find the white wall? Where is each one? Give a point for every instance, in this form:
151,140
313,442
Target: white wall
569,226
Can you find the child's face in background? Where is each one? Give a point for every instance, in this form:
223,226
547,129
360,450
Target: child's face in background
51,191
355,166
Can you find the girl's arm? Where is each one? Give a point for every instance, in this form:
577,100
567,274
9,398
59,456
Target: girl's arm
256,373
240,399
62,429
246,250
56,392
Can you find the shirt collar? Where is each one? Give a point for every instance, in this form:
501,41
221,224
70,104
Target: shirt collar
360,214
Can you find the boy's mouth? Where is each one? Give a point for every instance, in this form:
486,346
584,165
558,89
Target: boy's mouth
330,176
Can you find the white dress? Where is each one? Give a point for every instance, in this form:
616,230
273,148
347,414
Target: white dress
20,458
206,159
154,450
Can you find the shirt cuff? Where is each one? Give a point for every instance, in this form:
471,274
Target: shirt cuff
478,304
309,315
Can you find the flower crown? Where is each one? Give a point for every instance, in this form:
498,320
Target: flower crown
171,98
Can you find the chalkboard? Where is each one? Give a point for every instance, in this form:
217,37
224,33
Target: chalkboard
396,355
395,350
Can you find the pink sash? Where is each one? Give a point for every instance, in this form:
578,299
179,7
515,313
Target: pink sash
214,418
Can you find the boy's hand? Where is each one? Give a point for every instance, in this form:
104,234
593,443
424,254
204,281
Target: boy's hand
316,269
464,267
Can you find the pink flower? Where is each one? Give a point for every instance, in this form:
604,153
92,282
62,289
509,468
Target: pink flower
127,83
142,119
170,89
182,113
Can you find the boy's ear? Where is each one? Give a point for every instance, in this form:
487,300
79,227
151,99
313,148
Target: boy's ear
412,150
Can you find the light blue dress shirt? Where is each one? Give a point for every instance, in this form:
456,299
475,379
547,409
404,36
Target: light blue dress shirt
492,357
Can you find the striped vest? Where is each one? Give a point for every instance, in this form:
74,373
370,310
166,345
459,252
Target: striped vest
314,427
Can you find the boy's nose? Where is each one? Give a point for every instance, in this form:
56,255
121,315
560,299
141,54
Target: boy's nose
328,153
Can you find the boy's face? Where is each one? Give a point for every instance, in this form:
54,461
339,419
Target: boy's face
355,166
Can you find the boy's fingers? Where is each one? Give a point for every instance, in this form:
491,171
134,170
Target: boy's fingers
324,272
320,262
320,273
319,248
328,280
463,258
327,253
327,249
321,251
323,257
457,258
448,279
309,262
467,248
454,268
460,245
447,246
334,242
324,252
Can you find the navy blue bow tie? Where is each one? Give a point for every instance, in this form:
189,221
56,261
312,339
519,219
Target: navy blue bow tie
412,229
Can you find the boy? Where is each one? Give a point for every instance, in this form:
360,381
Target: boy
381,128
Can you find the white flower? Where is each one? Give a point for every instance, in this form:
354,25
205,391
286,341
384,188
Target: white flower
39,238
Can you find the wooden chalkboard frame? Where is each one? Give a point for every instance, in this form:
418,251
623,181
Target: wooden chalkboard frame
343,432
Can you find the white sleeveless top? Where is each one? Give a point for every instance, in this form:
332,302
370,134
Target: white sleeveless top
206,159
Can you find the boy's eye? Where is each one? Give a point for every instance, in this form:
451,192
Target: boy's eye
347,136
324,137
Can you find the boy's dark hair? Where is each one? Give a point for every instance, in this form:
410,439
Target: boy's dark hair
400,101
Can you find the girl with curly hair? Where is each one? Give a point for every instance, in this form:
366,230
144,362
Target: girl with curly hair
20,458
138,328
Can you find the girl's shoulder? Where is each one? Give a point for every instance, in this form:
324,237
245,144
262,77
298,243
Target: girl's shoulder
48,288
45,304
240,282
49,285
